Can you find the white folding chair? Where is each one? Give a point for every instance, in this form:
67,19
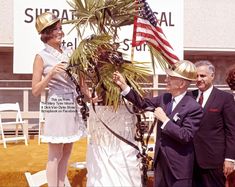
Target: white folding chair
12,109
41,122
40,178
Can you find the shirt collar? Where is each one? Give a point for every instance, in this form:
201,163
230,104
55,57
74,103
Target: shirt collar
179,97
206,93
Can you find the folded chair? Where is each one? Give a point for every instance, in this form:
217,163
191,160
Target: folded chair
39,179
12,109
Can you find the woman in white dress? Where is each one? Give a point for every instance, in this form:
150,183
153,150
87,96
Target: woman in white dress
63,120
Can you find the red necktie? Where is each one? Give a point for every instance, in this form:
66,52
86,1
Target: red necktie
200,100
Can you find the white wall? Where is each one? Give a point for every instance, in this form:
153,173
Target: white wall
6,23
208,24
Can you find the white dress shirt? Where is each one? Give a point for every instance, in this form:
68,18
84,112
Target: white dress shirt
206,95
177,99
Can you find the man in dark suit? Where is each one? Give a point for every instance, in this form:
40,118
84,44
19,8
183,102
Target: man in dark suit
174,151
215,140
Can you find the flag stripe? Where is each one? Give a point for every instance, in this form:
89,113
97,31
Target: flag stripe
151,38
158,33
153,35
169,56
147,30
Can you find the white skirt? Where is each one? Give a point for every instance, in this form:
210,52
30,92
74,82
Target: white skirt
63,120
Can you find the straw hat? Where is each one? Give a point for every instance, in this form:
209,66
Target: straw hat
183,69
45,20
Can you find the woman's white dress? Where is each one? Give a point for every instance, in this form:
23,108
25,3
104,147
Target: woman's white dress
111,162
63,120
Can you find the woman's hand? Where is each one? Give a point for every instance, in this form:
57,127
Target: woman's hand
95,99
58,68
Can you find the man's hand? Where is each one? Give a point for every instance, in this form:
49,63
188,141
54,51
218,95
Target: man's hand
119,80
160,114
228,167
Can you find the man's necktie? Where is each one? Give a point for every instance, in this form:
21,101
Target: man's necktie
200,100
169,107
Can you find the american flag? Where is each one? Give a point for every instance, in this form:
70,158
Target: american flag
146,29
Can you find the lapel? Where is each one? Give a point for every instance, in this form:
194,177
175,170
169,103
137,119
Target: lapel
179,106
166,99
194,94
210,99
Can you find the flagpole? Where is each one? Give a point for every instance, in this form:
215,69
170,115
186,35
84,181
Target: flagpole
132,54
155,75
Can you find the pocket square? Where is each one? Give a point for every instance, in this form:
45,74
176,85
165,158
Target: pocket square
176,117
213,110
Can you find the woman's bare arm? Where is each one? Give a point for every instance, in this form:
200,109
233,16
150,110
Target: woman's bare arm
39,83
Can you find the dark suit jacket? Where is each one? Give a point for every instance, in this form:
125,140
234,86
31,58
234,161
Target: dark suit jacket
215,139
176,139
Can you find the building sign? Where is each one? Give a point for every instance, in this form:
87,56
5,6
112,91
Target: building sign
27,41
